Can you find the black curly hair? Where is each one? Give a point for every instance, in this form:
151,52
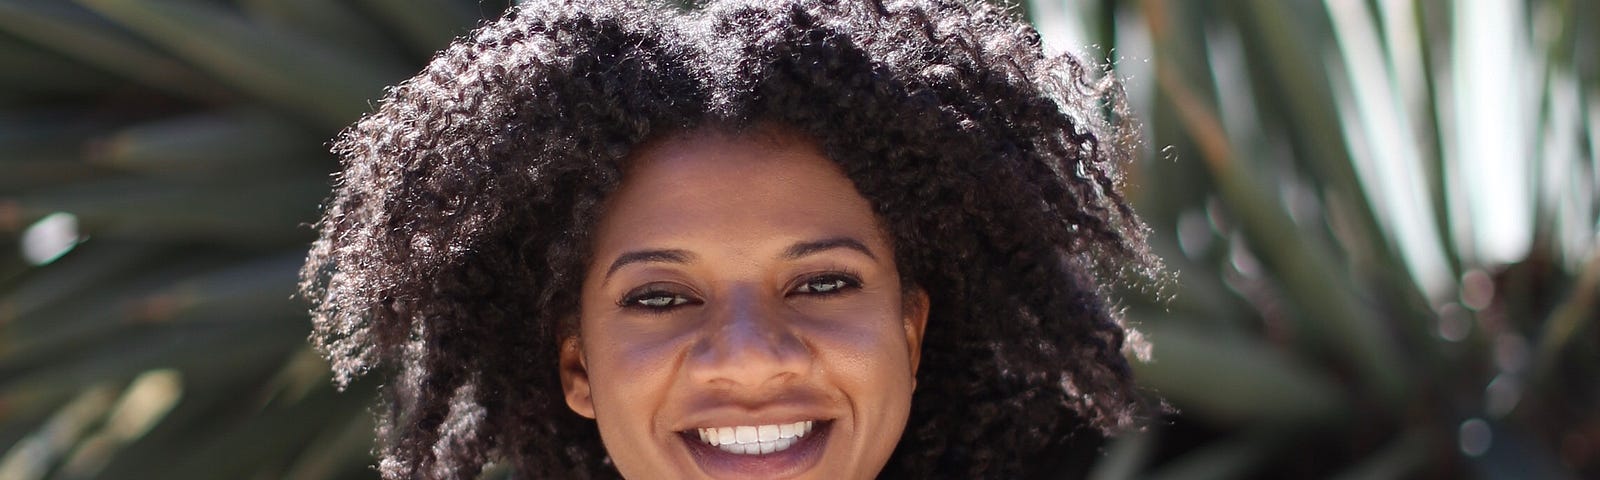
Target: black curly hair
452,250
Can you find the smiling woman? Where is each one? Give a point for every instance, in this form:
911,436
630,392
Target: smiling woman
759,239
753,322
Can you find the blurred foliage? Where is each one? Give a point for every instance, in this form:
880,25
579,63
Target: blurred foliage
1344,303
160,164
1382,215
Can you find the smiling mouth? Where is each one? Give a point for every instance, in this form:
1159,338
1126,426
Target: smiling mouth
756,440
758,451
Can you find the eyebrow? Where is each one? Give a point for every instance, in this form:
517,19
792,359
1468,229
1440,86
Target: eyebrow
807,248
795,251
643,256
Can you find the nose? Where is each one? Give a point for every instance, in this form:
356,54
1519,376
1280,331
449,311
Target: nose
747,343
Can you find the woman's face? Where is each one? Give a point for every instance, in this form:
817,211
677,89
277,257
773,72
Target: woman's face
742,317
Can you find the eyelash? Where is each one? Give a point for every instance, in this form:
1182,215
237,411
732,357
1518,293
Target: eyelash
651,293
660,300
841,282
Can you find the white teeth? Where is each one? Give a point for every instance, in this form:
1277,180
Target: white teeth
755,440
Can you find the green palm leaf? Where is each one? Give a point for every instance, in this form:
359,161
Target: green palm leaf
162,160
1320,180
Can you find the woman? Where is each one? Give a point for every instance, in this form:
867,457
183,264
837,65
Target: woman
599,238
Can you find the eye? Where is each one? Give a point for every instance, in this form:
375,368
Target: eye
660,301
827,284
653,297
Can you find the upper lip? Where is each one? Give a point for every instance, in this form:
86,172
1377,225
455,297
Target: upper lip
734,416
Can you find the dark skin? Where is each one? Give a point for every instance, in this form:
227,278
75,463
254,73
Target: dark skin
737,282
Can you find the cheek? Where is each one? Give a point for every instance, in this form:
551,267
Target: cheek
867,361
632,377
863,345
629,367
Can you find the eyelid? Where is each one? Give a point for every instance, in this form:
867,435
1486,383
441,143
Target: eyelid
852,281
661,288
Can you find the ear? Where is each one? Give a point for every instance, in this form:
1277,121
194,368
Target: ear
915,315
575,378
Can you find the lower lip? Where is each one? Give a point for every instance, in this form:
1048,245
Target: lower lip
792,461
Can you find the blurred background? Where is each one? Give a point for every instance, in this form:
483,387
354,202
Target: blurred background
1381,215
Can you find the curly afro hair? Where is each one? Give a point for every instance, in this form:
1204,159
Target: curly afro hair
452,250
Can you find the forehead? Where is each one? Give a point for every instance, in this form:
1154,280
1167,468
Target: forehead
725,188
